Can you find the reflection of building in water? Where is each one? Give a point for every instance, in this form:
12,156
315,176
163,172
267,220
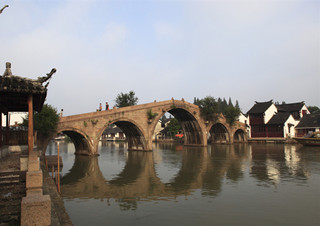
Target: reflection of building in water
273,163
292,158
273,171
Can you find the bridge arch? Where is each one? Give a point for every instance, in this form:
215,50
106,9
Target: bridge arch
82,144
134,134
219,133
192,128
239,136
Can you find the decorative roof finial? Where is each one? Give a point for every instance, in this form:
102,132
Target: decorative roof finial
7,72
1,10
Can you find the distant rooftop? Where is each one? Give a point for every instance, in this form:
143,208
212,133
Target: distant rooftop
260,107
279,118
309,121
293,107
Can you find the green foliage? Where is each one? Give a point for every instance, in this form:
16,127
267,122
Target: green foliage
45,122
67,139
94,122
313,109
174,126
208,108
126,99
151,115
231,113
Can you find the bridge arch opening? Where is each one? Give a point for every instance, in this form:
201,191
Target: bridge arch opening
133,135
190,126
219,134
81,144
239,136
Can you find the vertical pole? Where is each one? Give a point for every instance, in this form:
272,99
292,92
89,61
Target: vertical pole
7,128
30,123
0,129
58,168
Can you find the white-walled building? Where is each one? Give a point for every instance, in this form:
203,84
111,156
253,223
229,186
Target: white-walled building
267,119
14,118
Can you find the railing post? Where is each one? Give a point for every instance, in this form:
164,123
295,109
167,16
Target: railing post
30,124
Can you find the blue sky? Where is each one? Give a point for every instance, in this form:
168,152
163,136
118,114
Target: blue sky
247,50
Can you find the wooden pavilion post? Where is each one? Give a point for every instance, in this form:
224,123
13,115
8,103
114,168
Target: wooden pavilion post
7,128
30,124
0,128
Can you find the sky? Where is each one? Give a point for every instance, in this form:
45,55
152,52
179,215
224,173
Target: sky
246,50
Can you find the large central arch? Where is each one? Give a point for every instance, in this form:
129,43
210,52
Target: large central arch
190,124
134,135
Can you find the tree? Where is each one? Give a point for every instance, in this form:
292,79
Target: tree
237,105
45,122
126,99
231,113
208,108
314,109
230,102
174,126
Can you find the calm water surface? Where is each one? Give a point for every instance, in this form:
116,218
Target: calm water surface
175,185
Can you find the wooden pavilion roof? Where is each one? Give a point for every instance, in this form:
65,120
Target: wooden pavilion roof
14,92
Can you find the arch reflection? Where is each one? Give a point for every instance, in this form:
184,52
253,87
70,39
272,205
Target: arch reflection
204,169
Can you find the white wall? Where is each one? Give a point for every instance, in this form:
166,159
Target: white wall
304,108
286,127
242,118
14,117
269,113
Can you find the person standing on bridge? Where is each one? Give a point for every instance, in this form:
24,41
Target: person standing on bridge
107,106
100,107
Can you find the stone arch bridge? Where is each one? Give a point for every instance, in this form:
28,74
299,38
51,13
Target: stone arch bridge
138,123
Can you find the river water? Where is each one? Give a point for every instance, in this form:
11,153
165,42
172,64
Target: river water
245,184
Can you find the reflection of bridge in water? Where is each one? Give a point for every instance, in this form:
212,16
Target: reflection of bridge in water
199,169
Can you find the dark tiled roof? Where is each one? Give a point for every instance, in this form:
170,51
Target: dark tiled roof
309,121
112,130
260,107
290,107
279,119
14,91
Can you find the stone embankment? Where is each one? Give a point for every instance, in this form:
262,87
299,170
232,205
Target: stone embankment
13,189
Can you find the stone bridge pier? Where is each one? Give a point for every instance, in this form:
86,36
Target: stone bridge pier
138,123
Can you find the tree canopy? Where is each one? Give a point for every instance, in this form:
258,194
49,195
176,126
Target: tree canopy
45,122
174,126
210,109
126,99
314,109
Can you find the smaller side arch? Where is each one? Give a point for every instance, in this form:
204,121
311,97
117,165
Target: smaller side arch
239,136
81,141
218,133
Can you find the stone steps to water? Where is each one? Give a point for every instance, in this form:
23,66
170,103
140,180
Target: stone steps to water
12,190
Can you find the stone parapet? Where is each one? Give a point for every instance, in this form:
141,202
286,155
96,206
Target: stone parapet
35,207
36,210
